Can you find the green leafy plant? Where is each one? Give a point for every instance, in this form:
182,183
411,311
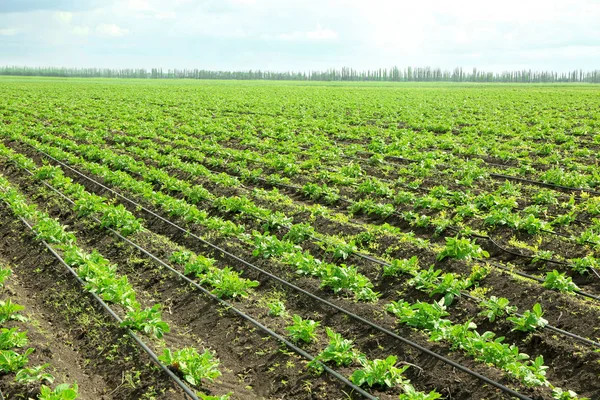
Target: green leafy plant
410,393
559,281
530,321
340,351
585,264
61,392
382,373
10,311
277,308
461,249
407,266
148,321
11,361
5,272
227,283
420,314
496,307
298,233
11,338
559,394
34,374
303,329
193,366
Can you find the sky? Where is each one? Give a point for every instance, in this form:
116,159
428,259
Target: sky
302,35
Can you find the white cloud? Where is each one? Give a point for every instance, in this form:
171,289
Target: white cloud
319,33
322,34
111,30
63,16
81,31
8,32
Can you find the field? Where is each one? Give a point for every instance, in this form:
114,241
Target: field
278,240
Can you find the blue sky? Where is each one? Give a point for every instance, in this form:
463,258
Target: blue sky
301,34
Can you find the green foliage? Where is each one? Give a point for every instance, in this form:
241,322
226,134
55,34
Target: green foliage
52,231
559,281
120,219
60,392
12,338
302,329
227,283
194,367
496,307
559,394
379,373
5,272
530,321
410,393
407,266
11,361
340,351
148,321
277,308
584,265
298,233
34,374
420,315
462,249
10,311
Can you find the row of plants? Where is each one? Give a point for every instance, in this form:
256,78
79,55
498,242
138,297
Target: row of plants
582,265
491,210
190,213
100,277
347,278
189,145
63,156
14,358
225,282
342,277
374,373
339,352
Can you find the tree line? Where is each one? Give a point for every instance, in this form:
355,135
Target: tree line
395,74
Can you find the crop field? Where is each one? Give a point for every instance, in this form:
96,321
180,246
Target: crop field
278,240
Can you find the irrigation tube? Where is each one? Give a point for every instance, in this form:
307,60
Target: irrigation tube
107,308
323,301
228,305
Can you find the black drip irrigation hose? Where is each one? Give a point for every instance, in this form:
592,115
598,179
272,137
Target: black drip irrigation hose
300,290
110,311
228,305
523,274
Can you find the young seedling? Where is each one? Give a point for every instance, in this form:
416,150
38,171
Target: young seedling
462,249
382,373
148,321
303,329
530,321
34,374
193,366
559,281
61,392
496,307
